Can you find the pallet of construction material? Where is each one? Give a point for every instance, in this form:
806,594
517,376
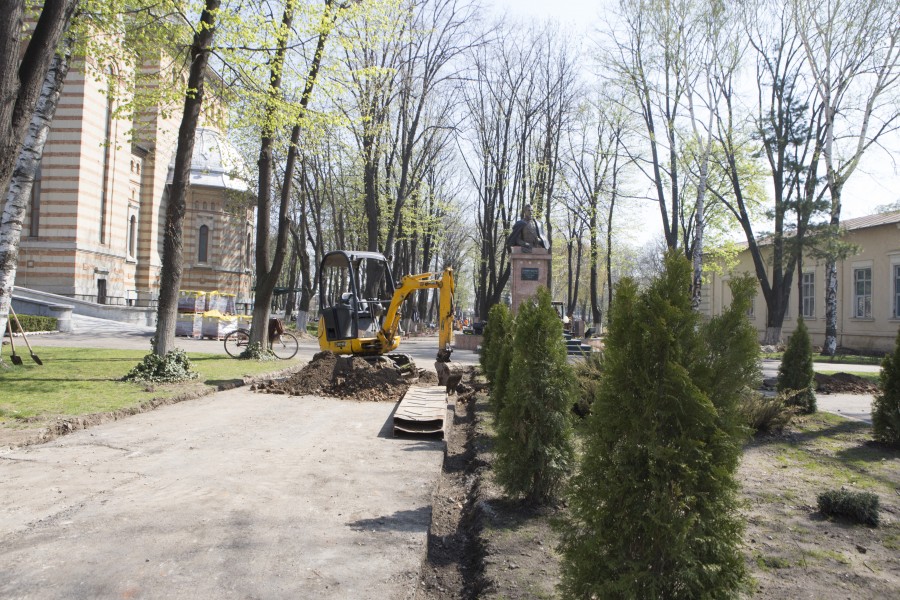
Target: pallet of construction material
189,325
191,302
216,325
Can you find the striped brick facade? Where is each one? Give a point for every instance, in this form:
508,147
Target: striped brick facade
96,230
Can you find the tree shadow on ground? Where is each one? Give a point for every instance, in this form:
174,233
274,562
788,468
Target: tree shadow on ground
413,521
844,428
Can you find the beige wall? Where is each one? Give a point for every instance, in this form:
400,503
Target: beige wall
879,249
78,243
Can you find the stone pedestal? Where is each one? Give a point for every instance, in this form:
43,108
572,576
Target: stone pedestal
530,269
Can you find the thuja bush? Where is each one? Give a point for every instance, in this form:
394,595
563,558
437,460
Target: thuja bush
501,374
495,339
886,405
795,374
534,431
859,507
175,366
654,505
766,414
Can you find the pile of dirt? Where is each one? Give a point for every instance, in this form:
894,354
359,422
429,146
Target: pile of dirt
844,383
345,377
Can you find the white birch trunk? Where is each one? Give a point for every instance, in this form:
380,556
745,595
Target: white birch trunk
302,320
19,194
831,308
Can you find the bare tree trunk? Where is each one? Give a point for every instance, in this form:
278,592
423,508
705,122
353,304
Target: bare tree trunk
20,186
22,75
173,240
267,277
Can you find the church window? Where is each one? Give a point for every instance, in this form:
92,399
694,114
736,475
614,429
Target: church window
203,244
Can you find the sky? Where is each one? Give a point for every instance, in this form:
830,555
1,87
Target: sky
876,182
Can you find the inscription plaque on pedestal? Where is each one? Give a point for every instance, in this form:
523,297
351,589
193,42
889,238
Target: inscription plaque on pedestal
530,274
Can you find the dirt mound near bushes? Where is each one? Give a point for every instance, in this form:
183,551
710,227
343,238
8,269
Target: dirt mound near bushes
345,377
844,383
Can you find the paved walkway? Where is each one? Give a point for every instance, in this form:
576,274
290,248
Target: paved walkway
236,495
852,406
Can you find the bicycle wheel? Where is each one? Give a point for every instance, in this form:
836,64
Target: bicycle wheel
285,346
236,342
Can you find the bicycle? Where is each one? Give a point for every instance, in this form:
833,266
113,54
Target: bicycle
283,345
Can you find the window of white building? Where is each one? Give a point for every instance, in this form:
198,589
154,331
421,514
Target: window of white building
897,291
862,293
809,295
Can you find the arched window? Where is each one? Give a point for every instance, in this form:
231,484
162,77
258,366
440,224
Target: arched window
203,244
132,235
249,251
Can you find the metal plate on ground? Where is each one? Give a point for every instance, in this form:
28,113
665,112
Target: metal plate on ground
422,411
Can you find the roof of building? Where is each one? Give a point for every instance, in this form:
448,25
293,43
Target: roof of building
872,220
876,220
216,162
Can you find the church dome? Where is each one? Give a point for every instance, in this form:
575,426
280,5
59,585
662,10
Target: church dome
216,162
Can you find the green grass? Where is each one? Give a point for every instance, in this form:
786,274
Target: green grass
832,448
838,359
767,563
81,381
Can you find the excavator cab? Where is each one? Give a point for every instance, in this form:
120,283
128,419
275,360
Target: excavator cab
355,289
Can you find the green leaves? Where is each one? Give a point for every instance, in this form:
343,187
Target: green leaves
886,405
653,506
173,368
534,435
795,374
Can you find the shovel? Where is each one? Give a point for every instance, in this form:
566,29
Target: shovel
17,360
34,356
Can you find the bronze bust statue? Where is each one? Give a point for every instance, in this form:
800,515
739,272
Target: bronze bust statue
526,232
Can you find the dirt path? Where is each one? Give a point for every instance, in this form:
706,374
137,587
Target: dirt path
485,546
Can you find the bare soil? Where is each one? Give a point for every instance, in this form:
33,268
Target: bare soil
484,545
346,377
844,383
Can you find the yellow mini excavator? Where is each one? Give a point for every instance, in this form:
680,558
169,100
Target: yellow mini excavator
359,309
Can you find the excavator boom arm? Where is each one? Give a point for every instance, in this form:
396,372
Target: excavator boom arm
446,287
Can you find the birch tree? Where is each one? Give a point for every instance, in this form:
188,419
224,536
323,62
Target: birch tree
20,187
26,79
852,50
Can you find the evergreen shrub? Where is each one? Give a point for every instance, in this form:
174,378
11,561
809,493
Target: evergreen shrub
496,332
654,505
32,323
886,405
859,507
796,378
534,431
764,414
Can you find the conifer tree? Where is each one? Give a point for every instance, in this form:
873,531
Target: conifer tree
886,405
495,334
653,508
534,435
796,375
501,374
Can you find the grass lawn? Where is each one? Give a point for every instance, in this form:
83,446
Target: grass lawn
838,359
81,381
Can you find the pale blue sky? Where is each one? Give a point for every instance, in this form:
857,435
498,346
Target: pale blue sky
876,181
